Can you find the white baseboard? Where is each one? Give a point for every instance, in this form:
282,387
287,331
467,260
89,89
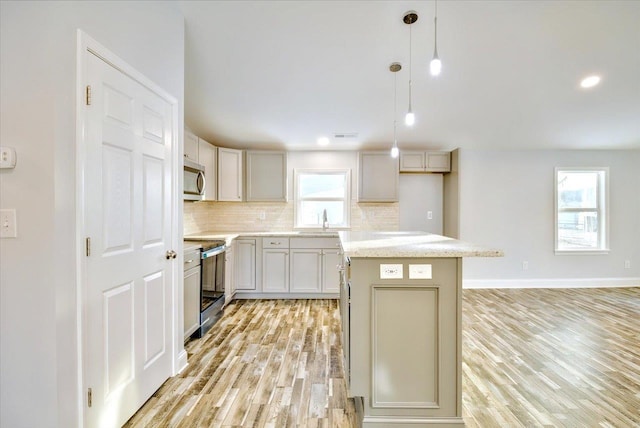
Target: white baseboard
552,283
182,362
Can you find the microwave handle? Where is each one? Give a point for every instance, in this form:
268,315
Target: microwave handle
201,182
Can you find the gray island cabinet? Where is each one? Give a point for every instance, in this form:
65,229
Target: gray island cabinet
400,302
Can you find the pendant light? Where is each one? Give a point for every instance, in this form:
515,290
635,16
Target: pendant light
394,68
409,18
435,66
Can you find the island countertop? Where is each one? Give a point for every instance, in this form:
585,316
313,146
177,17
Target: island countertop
409,244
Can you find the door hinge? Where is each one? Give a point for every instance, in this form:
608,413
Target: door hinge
88,95
87,246
89,397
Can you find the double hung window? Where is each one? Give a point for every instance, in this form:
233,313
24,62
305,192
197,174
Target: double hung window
320,190
581,210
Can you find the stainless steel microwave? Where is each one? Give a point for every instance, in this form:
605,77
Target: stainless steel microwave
194,181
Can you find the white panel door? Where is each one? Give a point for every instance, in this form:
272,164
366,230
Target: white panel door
127,216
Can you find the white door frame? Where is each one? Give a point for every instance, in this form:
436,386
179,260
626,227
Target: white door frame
86,44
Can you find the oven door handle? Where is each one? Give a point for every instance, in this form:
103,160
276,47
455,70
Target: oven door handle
213,252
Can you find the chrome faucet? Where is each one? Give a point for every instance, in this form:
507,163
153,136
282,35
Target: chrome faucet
325,222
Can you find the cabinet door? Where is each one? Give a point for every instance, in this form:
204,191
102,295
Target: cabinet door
207,158
306,271
377,177
229,275
190,146
266,176
245,264
438,161
330,273
191,310
275,270
229,174
412,162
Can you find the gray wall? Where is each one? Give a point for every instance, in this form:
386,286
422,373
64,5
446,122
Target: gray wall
38,311
419,194
506,201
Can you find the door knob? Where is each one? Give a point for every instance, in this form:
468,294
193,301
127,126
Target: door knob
171,255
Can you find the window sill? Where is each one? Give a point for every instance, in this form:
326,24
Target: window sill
582,252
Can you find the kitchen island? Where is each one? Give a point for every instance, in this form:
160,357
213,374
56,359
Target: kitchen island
401,308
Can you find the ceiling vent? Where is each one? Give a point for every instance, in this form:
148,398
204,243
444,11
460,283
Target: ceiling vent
345,135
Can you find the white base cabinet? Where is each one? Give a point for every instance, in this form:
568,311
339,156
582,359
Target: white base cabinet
306,270
245,258
287,267
229,275
275,265
191,285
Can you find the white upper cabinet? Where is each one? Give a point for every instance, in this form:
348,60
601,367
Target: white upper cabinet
428,161
207,154
229,175
266,176
190,146
377,177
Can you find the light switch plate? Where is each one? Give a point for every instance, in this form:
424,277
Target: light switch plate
420,272
8,227
391,271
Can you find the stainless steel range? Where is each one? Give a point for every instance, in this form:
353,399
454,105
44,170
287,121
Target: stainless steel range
211,285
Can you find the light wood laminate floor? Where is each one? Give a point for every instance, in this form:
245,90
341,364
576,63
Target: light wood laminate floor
266,363
545,358
531,358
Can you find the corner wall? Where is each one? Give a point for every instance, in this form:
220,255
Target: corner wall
506,201
38,311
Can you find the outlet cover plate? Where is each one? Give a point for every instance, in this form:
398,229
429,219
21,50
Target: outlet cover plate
420,272
391,271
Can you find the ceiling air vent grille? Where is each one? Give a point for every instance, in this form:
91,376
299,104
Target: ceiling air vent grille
345,135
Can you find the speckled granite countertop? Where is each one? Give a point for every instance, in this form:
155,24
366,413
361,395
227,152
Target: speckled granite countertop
230,236
409,244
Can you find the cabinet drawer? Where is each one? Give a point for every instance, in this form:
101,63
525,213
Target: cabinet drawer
315,243
276,242
191,259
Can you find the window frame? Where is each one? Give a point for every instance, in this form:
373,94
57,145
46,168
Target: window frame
346,200
602,210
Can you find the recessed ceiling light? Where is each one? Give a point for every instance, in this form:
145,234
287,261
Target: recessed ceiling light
323,141
590,81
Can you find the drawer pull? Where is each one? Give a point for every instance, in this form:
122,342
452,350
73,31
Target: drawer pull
274,243
189,261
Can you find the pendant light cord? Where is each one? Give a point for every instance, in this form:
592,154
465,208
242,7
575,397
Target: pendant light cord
435,29
395,105
410,109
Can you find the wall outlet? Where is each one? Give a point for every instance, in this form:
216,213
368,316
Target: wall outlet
7,157
429,215
525,265
8,227
420,272
627,264
388,271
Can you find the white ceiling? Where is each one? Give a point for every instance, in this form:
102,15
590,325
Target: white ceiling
280,74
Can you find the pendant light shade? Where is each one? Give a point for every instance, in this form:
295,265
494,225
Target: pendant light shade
394,68
409,18
435,66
